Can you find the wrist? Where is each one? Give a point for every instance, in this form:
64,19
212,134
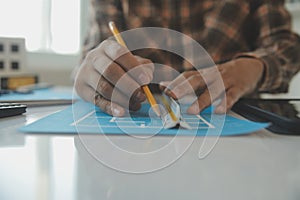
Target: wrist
258,66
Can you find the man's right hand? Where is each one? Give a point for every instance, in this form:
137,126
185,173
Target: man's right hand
111,77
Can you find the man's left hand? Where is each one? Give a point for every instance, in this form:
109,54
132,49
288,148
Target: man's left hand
239,77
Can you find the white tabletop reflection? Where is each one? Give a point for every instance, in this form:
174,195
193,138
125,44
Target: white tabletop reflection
261,165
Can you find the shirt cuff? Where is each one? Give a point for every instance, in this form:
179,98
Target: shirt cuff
272,78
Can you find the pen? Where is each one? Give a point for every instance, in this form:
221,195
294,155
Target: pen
113,28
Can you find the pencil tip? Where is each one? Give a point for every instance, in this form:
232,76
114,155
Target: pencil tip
156,110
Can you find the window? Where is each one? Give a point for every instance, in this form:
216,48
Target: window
51,26
292,1
294,7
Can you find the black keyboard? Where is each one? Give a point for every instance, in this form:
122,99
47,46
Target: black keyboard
11,109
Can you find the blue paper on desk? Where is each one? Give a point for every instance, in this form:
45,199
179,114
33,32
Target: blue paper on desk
46,96
88,119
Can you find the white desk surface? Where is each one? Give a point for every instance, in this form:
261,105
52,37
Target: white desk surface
259,166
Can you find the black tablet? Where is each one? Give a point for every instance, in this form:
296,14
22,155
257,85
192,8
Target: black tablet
283,114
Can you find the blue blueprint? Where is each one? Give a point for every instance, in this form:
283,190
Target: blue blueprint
88,119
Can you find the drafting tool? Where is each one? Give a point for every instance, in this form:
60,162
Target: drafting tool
171,113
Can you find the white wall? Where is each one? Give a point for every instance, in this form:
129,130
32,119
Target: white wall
295,83
53,68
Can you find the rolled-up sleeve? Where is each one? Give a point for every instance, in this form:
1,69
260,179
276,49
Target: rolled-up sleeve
277,46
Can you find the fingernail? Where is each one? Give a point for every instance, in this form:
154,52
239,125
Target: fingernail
194,109
144,78
116,112
220,109
164,83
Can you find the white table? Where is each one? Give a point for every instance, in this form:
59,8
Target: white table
259,166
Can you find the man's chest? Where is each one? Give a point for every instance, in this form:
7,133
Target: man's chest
175,14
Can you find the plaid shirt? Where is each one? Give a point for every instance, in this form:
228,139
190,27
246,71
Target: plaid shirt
227,29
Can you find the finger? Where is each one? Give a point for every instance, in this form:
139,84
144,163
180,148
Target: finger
124,82
213,92
179,79
233,94
88,94
142,60
117,77
108,91
121,102
163,85
108,106
202,102
128,61
147,66
191,85
209,75
175,87
85,91
113,94
191,82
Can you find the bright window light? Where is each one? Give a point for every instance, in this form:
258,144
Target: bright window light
47,25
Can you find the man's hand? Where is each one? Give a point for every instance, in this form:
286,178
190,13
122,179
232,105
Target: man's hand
111,76
239,77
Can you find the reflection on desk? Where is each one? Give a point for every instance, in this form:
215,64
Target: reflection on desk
9,137
259,166
237,169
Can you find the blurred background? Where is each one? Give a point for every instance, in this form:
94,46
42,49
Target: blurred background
54,31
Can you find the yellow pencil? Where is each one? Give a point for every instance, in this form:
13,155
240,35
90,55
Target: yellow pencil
113,28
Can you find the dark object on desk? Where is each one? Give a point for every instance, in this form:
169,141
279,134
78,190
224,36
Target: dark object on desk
11,109
2,92
41,97
283,114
